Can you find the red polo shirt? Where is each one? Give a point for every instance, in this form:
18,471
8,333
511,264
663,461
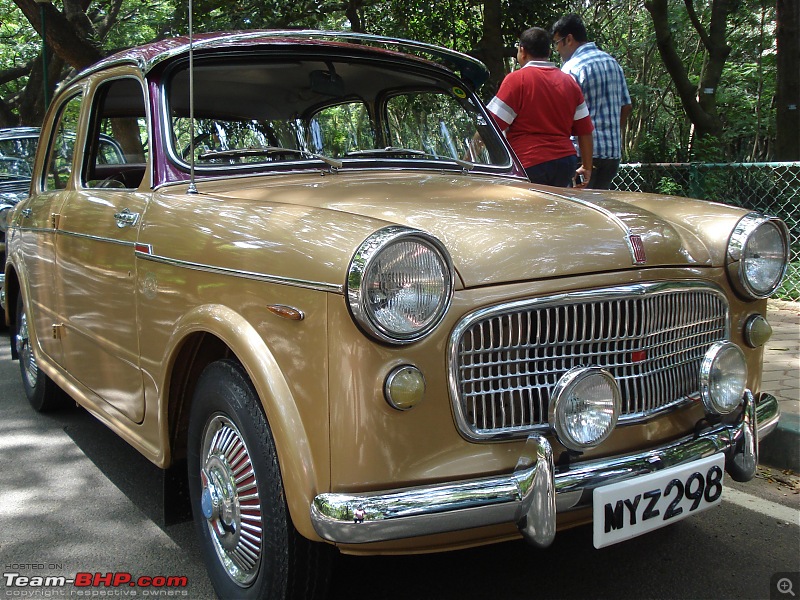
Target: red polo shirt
540,107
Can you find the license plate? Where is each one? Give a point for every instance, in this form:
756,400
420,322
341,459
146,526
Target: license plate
629,508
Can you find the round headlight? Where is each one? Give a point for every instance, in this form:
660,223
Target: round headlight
759,254
584,407
723,378
399,284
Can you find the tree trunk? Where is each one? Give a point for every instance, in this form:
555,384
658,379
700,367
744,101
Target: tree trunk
491,47
699,102
62,37
67,44
788,83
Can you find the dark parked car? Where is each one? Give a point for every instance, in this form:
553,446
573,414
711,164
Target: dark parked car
17,153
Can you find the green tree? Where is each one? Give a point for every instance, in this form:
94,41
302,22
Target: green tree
788,92
672,52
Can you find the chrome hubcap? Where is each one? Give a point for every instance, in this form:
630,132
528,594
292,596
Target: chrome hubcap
229,500
29,367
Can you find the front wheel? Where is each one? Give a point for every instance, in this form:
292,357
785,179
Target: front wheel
41,391
250,547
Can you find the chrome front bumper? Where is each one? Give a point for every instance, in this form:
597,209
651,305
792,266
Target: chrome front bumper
531,496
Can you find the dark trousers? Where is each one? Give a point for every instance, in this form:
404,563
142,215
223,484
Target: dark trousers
603,171
558,172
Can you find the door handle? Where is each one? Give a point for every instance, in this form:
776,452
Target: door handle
126,218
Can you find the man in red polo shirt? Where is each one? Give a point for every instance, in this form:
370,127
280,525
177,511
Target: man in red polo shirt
539,107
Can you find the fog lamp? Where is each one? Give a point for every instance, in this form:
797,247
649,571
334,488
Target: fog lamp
404,387
584,407
723,378
757,331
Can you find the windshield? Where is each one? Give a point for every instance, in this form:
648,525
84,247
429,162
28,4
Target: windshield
302,110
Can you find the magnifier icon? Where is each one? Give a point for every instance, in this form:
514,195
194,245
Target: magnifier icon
784,586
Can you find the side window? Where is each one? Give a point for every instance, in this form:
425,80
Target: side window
434,122
337,130
117,145
62,146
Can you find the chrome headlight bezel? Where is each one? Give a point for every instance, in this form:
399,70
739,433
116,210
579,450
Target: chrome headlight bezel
752,227
709,368
560,398
358,279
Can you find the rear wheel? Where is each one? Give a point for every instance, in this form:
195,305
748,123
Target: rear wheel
249,544
41,391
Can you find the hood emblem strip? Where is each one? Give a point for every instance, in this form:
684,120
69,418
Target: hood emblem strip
634,241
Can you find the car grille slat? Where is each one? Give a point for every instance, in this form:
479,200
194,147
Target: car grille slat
505,361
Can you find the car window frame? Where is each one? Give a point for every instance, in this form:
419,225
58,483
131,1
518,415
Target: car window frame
91,107
53,131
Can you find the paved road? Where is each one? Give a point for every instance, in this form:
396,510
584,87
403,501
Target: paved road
75,498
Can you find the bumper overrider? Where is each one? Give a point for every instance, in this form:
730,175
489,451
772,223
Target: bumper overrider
534,492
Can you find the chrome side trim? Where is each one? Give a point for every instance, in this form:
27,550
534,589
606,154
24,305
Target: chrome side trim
143,251
302,283
526,493
83,236
34,229
94,238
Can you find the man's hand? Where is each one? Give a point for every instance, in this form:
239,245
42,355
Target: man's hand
582,177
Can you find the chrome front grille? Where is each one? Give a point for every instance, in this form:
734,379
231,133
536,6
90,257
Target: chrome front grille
506,360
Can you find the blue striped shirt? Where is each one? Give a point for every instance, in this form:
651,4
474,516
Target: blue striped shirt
606,92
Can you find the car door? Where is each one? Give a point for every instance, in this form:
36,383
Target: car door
98,228
39,222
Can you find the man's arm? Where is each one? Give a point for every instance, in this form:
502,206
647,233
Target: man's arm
585,170
624,113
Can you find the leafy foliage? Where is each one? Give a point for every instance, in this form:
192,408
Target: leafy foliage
658,129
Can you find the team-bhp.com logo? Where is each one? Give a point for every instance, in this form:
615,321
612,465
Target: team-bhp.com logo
88,584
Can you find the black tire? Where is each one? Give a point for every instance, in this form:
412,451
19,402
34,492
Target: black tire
41,391
229,433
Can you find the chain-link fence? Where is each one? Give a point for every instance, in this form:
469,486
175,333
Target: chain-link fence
770,188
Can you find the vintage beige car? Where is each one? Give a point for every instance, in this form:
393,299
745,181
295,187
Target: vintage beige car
320,285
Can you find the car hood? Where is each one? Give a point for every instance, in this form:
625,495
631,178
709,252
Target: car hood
502,230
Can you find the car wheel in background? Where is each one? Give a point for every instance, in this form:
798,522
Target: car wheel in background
41,391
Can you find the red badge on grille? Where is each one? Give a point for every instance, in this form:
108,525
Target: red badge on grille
637,247
638,356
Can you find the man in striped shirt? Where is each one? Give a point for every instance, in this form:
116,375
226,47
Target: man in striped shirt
605,90
539,108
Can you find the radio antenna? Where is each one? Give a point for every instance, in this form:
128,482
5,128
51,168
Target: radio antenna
192,187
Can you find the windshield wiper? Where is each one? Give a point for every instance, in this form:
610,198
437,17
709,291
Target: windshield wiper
268,151
396,151
250,151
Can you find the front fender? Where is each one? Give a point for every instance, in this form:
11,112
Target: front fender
300,454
